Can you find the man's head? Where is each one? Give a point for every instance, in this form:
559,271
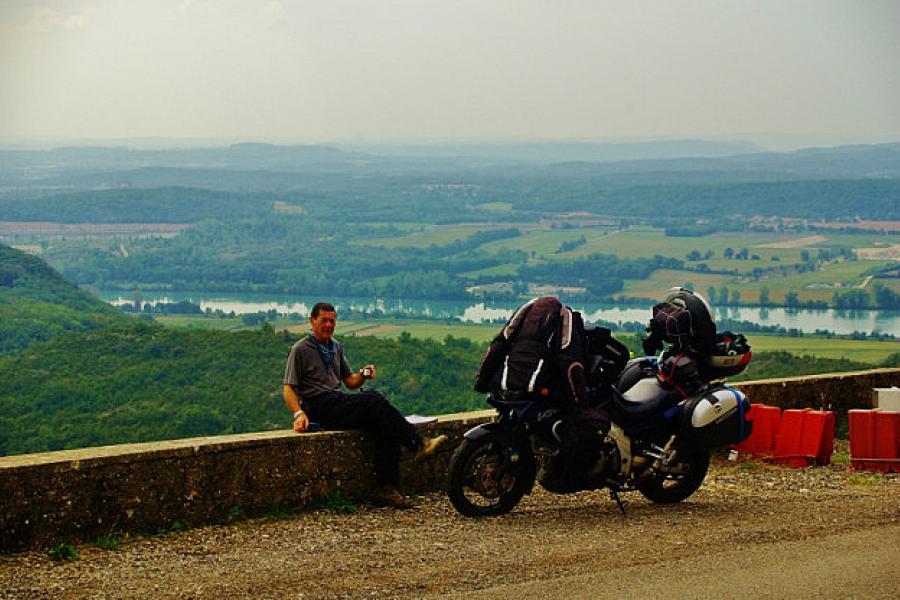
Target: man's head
322,319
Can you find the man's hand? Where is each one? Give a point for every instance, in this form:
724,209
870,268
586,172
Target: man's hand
301,423
356,380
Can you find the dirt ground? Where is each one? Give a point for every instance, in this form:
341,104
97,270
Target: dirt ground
753,530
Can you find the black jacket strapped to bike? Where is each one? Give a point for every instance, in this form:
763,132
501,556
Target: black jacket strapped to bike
541,349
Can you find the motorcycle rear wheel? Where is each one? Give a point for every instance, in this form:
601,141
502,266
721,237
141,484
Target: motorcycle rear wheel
671,488
473,487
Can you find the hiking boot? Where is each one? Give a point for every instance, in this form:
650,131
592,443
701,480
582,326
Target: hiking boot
387,495
429,446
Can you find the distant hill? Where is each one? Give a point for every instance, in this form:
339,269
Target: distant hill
249,167
689,179
36,303
248,156
160,205
875,199
561,151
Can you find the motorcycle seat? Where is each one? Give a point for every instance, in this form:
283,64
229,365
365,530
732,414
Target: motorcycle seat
644,398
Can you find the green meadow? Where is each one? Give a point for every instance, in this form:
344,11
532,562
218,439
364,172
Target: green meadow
867,351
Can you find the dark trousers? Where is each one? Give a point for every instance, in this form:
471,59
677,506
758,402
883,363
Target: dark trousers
371,412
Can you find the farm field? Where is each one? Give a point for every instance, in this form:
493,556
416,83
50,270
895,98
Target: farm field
647,243
545,243
868,351
772,249
419,329
200,322
425,237
847,274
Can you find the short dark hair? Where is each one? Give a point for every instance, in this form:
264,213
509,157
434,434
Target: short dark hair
319,307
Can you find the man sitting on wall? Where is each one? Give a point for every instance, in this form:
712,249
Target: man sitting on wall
315,369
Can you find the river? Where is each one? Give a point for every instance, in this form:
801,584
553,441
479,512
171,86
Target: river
844,322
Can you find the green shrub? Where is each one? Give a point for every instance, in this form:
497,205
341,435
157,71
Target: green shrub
335,503
64,552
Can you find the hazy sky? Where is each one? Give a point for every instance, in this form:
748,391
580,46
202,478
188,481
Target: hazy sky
420,70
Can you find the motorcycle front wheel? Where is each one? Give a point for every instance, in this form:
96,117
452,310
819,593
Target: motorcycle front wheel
685,478
487,477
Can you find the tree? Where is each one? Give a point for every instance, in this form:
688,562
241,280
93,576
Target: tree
709,254
886,297
711,294
736,297
728,253
723,295
694,255
804,255
791,299
764,297
855,299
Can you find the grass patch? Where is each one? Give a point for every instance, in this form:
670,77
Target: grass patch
336,503
437,235
846,273
863,479
110,541
177,526
865,351
198,322
840,459
423,329
63,552
495,207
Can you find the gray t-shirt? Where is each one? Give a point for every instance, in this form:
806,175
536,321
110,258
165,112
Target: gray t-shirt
306,370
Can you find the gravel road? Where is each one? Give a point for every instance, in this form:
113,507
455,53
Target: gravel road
752,530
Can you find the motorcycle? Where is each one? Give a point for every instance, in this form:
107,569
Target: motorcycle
666,416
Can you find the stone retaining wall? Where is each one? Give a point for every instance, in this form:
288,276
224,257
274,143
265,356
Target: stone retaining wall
84,494
839,392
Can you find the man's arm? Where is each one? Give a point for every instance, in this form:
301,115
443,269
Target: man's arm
301,421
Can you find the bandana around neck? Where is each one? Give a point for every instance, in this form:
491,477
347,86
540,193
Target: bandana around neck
326,352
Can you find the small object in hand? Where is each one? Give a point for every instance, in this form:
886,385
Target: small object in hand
366,372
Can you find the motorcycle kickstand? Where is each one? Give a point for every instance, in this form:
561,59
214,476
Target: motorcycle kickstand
614,494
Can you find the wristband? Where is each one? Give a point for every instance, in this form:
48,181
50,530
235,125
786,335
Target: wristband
365,373
298,413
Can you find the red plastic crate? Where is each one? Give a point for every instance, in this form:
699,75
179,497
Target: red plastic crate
766,421
875,440
806,437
